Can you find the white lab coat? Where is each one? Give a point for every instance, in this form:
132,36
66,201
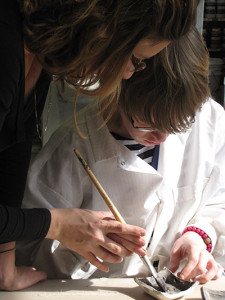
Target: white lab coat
187,189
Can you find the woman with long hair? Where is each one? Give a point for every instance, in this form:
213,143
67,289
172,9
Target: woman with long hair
81,42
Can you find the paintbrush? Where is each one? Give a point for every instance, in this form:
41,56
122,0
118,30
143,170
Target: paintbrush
161,283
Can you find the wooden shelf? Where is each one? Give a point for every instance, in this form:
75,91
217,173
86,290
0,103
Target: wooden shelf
213,23
218,52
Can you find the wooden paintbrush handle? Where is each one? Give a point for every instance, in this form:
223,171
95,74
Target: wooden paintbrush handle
102,192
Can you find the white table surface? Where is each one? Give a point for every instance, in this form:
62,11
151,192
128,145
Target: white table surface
95,289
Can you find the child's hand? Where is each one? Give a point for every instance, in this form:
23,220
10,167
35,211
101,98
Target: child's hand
200,266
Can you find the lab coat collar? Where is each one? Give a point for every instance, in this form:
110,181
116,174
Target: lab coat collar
102,139
171,156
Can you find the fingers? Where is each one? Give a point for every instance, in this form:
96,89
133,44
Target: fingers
220,272
132,238
115,226
96,262
131,243
177,254
108,251
120,239
174,262
118,246
98,255
203,269
128,237
213,272
195,265
200,263
86,232
111,252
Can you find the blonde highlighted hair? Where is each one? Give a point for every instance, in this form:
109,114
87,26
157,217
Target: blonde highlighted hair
90,41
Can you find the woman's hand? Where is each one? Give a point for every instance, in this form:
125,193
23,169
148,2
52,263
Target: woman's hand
14,278
95,235
200,265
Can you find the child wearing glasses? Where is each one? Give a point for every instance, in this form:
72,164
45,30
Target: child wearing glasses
160,158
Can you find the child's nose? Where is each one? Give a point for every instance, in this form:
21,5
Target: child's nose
159,136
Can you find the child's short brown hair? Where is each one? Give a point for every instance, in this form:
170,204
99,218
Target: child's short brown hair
173,87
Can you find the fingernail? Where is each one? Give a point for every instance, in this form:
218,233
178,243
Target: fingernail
173,268
143,252
181,275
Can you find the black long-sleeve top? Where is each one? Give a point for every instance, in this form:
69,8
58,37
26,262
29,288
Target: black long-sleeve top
17,127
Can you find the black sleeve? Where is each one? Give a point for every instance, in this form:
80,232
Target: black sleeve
14,163
16,223
12,79
17,123
23,224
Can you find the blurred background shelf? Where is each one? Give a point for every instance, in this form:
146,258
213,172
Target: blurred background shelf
214,36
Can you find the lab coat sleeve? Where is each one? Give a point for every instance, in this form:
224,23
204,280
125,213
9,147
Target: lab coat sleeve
210,216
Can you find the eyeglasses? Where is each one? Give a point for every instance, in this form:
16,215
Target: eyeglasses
144,129
138,64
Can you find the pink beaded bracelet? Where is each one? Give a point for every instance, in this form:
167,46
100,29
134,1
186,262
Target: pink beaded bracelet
204,236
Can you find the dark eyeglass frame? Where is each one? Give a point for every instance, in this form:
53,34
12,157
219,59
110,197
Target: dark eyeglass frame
143,129
138,64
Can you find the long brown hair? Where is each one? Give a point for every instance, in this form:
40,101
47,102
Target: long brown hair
90,41
173,87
